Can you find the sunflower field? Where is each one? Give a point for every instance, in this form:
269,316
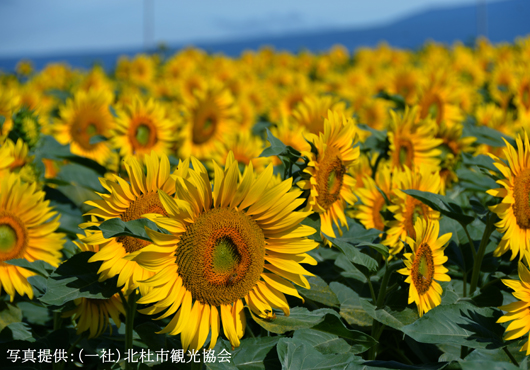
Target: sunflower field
271,211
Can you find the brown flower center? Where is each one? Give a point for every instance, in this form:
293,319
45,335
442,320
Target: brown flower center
413,209
329,176
221,256
146,203
142,135
13,236
521,206
423,269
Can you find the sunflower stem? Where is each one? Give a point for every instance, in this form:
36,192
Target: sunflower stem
129,323
464,281
57,321
490,227
372,291
512,359
470,241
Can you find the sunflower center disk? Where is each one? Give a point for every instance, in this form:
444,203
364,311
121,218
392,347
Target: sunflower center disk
13,237
143,134
8,238
204,128
329,178
521,207
221,256
406,154
423,269
146,203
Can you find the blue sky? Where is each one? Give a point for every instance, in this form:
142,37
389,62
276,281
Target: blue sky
44,27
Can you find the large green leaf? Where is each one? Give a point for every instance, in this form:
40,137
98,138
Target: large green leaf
351,308
252,354
35,313
324,343
389,317
324,319
458,324
319,292
77,278
9,313
16,331
486,365
350,270
355,255
116,227
276,148
442,204
298,354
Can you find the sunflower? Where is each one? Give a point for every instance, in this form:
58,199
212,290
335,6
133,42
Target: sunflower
208,118
514,209
373,201
517,312
311,112
291,134
407,209
424,266
412,141
245,148
83,117
92,315
9,103
330,184
19,154
27,230
128,201
234,243
143,127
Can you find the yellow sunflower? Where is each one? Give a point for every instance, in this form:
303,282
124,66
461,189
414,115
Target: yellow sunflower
407,209
83,117
373,202
412,141
312,111
514,209
290,134
128,201
517,312
209,117
234,243
330,184
245,148
143,127
27,230
9,103
424,266
92,315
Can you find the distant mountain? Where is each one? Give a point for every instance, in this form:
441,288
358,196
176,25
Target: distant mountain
506,20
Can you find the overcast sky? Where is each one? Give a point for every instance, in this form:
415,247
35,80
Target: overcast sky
43,27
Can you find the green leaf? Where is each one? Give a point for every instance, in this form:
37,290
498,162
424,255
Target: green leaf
16,331
486,365
389,317
86,162
350,270
276,148
324,319
458,324
35,313
256,353
39,267
319,292
77,175
77,278
350,307
442,204
116,227
323,342
354,254
9,313
297,354
486,135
